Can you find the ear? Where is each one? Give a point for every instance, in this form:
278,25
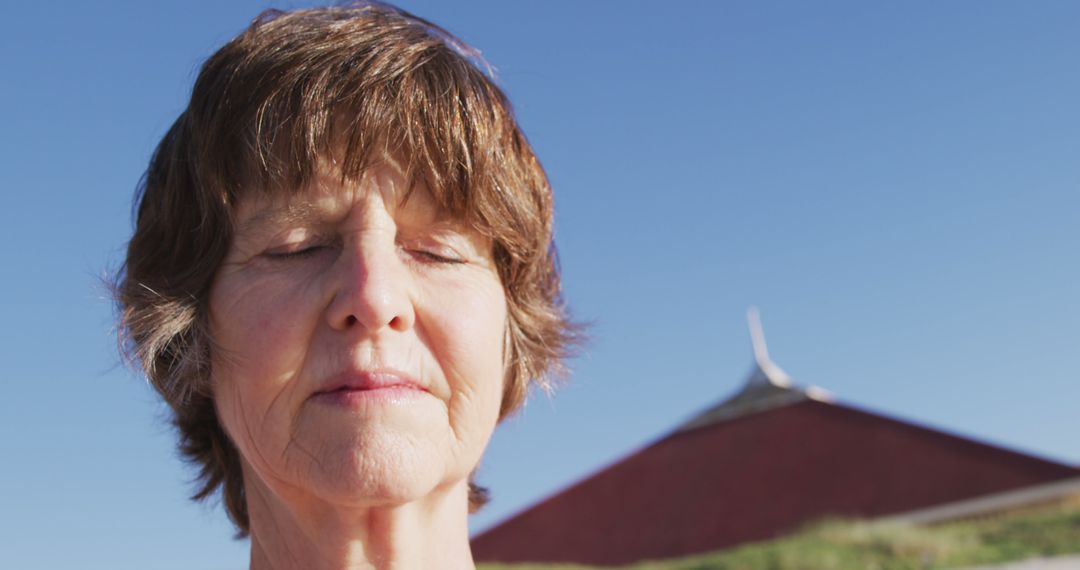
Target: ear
478,496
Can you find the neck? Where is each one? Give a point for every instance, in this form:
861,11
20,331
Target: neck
431,532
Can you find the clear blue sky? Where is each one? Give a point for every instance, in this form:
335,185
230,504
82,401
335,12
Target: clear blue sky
896,185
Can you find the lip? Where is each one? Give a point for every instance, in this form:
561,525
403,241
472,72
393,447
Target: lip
369,380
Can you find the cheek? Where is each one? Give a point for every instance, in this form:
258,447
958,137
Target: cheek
257,331
479,326
466,331
259,348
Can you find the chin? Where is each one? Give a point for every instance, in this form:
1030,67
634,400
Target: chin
382,470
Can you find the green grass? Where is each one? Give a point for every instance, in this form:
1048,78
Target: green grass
858,545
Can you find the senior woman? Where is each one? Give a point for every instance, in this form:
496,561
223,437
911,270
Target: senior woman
340,280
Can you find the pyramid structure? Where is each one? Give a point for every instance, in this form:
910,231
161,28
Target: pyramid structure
758,465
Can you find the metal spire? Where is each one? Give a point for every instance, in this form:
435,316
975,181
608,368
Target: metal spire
766,371
768,386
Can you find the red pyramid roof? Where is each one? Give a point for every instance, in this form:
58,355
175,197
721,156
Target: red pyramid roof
730,477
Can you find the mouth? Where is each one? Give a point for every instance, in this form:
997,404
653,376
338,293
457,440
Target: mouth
355,387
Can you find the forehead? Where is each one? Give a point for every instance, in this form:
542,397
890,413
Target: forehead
329,195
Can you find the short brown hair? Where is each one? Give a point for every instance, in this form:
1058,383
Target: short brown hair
353,82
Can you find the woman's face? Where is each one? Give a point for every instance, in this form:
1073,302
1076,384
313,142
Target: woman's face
357,353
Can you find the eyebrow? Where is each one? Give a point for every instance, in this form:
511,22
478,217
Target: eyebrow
305,212
302,212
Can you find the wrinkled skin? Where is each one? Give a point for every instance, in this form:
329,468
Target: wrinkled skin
339,281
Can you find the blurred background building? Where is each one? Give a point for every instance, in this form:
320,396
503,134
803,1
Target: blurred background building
763,462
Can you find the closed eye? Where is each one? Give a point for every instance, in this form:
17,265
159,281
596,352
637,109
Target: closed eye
301,253
427,256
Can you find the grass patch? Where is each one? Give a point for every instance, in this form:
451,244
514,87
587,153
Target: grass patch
860,545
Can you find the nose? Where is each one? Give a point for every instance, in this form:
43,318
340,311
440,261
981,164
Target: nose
373,290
